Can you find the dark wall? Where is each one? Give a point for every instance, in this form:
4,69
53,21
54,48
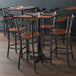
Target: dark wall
7,3
59,3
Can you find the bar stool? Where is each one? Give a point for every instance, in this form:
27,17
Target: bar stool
26,35
45,28
67,36
11,32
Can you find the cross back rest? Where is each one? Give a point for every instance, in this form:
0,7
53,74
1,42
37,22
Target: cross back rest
9,21
43,10
57,10
18,26
69,24
52,10
62,24
1,12
38,10
5,11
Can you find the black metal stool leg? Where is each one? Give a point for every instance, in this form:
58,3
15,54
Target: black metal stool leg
55,46
20,54
71,48
50,48
8,46
67,51
4,29
15,43
27,49
33,54
63,39
42,40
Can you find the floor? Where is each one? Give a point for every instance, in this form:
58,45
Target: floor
8,67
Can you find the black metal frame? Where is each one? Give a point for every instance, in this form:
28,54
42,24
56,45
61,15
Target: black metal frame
9,23
30,55
67,38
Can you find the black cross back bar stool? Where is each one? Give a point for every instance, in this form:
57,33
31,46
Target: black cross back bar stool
67,36
11,32
30,36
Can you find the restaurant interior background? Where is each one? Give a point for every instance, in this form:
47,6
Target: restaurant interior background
62,4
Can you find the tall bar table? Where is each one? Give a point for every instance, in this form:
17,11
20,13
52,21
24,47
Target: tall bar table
22,8
41,56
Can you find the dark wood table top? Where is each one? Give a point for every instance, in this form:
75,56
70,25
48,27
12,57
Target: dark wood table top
71,8
20,8
37,17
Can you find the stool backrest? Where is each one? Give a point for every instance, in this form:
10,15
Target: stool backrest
52,10
1,12
69,24
9,21
57,10
38,10
43,10
5,11
18,26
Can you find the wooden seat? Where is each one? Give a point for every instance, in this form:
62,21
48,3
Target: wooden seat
4,18
29,35
60,31
1,18
60,19
15,29
46,26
